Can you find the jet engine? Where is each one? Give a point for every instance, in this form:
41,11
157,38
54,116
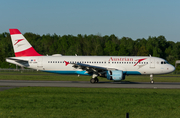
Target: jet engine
115,75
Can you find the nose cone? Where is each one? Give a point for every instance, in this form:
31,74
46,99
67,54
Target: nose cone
171,68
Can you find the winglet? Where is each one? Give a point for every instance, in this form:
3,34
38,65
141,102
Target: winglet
21,46
66,63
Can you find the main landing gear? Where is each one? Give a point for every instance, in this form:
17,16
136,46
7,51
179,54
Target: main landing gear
94,80
151,78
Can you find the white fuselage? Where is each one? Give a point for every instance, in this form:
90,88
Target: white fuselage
130,65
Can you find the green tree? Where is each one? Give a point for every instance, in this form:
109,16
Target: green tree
93,45
142,51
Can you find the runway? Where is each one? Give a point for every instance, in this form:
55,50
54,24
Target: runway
84,84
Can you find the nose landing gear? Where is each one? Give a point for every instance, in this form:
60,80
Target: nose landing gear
151,78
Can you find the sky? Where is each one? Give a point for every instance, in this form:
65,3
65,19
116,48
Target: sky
123,18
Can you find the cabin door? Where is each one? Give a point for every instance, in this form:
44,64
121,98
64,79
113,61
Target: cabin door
152,63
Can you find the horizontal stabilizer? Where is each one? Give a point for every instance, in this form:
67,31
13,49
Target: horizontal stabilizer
18,62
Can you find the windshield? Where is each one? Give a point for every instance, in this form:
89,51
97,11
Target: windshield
164,62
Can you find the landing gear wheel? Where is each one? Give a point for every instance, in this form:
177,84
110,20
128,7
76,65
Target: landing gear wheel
92,80
151,78
152,82
96,80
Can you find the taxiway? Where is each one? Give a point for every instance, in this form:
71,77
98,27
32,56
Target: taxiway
24,83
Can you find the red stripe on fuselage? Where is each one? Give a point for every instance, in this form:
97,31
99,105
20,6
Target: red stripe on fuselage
28,52
14,31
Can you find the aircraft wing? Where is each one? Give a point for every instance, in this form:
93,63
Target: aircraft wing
90,68
18,61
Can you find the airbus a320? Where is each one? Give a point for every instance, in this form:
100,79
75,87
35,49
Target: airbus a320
111,67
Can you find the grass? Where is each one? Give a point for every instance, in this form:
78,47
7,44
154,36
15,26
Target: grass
46,102
53,102
57,77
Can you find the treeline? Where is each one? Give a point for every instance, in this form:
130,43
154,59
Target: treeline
93,45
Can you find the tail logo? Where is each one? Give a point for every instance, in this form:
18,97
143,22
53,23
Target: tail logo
17,41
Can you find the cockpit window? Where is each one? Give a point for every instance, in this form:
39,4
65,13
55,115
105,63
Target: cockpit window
164,62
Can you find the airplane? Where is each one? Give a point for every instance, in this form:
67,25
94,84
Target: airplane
111,67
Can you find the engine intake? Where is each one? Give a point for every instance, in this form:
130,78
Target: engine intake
115,75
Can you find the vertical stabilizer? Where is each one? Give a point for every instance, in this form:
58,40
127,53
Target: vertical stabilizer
21,46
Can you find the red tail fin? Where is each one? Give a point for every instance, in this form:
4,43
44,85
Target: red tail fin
21,46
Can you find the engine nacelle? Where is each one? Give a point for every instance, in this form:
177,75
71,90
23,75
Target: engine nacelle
115,75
